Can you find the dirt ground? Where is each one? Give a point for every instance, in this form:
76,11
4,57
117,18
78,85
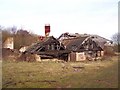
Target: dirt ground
51,74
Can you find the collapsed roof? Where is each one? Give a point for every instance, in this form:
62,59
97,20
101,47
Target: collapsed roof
49,46
81,44
101,41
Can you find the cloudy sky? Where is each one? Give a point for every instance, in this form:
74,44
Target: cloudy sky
74,16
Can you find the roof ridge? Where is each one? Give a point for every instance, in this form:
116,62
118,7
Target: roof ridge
76,38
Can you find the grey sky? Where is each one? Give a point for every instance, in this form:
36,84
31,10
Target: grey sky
74,16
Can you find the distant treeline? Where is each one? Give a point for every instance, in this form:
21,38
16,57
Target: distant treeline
116,39
25,38
21,37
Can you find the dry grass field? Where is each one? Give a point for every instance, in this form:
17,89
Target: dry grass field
91,74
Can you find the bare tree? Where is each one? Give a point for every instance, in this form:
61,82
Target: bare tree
116,39
21,37
13,29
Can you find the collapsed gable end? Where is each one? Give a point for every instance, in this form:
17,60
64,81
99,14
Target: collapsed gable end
50,46
81,44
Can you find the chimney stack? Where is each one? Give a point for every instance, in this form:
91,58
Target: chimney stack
47,30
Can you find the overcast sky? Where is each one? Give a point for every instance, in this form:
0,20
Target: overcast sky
74,16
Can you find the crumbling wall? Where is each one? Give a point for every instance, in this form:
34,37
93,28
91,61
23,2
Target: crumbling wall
22,49
10,54
80,56
29,57
77,56
9,43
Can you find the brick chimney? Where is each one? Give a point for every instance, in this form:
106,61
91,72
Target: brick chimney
47,30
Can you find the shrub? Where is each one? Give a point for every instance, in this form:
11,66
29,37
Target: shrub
116,48
109,51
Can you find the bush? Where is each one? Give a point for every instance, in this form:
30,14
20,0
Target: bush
117,48
21,38
109,51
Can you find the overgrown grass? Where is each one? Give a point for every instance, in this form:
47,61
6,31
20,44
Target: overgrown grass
95,74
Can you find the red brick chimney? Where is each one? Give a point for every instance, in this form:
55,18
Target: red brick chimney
47,30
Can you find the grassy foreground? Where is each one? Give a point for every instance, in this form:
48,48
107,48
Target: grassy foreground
95,74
